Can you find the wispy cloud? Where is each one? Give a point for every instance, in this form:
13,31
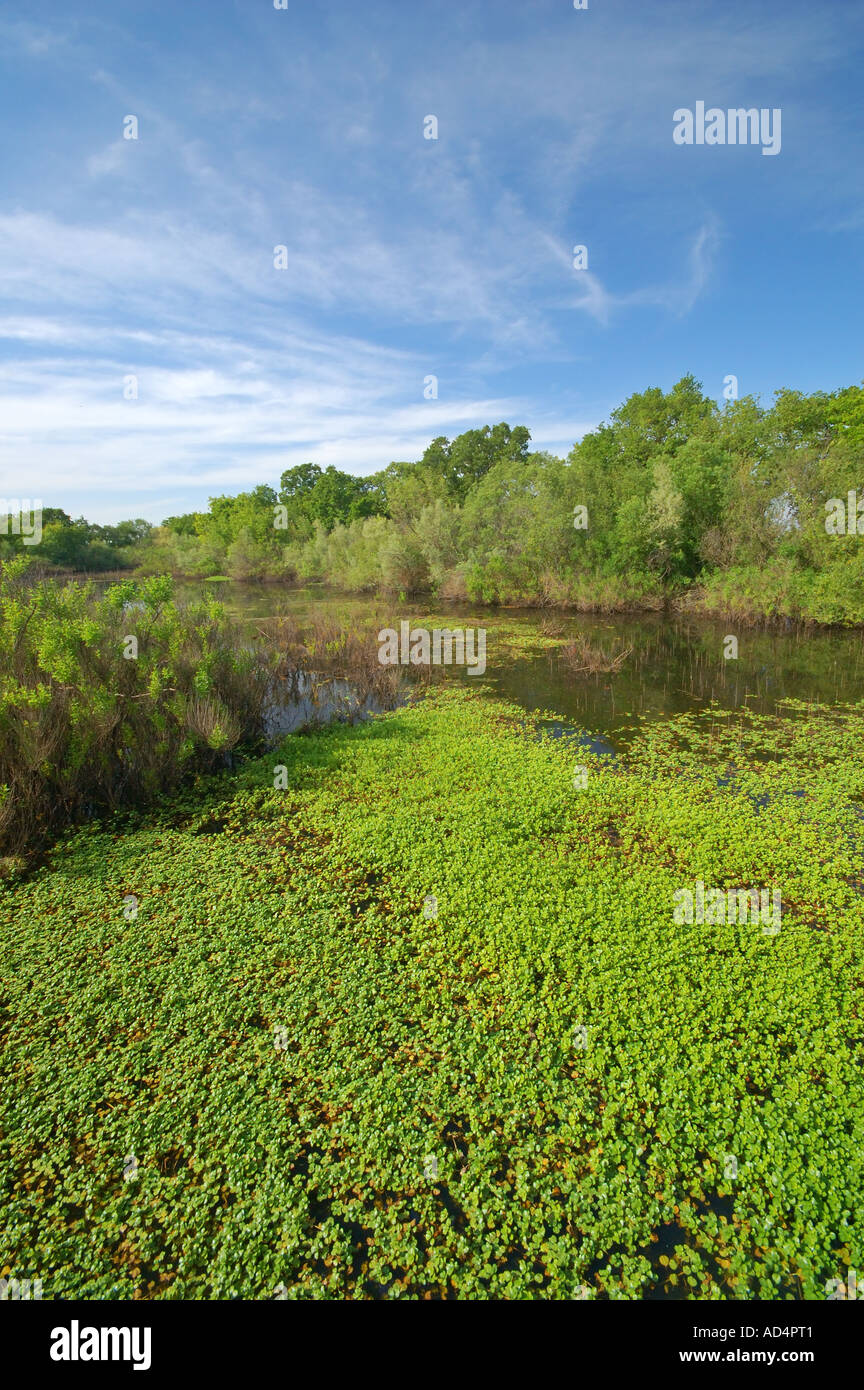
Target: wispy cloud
678,296
405,257
243,413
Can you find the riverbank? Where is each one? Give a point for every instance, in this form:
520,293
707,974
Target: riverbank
773,597
403,1010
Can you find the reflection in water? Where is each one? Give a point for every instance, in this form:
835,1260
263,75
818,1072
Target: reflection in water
676,664
578,738
313,700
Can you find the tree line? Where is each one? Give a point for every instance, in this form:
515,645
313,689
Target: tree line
78,545
674,497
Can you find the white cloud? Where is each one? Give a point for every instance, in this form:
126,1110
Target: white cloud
112,159
676,297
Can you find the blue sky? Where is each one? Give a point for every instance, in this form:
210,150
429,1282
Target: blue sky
407,257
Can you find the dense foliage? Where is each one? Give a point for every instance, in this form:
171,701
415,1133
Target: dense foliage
107,698
75,545
678,494
285,1075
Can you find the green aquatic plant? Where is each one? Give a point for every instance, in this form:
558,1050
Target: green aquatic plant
107,698
448,935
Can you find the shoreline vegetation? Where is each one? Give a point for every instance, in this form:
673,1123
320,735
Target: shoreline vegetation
747,512
112,696
395,1010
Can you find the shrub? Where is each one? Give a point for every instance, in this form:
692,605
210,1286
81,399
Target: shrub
86,723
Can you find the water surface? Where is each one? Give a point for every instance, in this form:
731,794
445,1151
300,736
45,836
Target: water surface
676,663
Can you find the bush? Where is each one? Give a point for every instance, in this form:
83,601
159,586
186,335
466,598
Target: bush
86,723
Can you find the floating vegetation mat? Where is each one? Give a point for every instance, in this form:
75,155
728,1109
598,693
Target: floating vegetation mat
413,1009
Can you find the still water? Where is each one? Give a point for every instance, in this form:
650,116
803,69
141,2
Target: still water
676,663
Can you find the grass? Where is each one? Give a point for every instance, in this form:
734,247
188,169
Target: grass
580,655
534,1094
107,698
332,650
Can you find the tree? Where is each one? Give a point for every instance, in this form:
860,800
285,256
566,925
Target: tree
186,525
298,482
462,463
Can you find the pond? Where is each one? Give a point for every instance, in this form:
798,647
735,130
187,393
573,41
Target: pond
675,663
